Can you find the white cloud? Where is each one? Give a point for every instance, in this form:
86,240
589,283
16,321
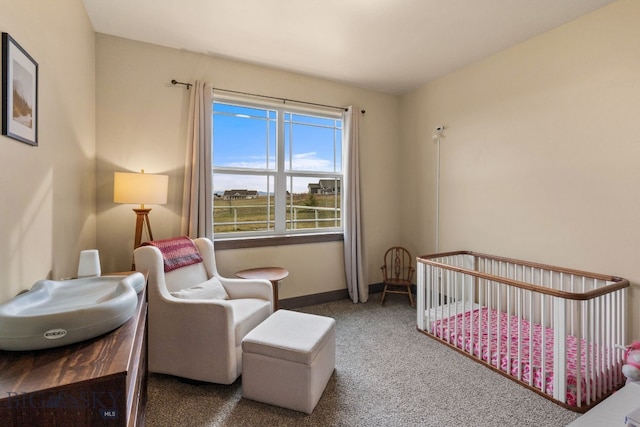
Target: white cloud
310,162
301,162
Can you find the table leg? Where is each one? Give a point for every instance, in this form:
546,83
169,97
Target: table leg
274,285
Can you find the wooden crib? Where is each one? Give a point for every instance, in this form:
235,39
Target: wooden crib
554,330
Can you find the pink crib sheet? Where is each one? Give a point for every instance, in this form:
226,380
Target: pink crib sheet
506,359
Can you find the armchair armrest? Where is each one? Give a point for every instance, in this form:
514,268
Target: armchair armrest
236,288
248,288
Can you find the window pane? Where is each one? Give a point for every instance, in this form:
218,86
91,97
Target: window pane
313,203
312,144
244,137
243,203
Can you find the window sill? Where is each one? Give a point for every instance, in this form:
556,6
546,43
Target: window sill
258,242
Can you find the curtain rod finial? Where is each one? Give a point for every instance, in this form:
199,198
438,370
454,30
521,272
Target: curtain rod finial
175,82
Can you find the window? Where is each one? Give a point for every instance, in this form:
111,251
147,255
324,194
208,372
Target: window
277,170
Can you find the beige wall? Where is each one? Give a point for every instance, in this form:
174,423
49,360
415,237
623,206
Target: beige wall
47,193
142,125
541,158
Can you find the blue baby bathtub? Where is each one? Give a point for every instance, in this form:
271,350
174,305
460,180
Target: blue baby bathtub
56,313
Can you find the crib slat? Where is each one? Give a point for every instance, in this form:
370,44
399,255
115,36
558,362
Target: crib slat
531,341
489,327
455,307
578,356
543,350
587,352
420,269
559,351
464,302
594,350
499,349
606,324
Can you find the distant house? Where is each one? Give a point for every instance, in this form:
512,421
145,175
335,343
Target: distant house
239,194
325,186
313,188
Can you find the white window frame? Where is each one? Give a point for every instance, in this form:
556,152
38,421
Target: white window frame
281,175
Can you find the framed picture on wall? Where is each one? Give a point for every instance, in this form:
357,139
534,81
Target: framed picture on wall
19,92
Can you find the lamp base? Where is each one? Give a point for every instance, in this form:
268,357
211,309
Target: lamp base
142,220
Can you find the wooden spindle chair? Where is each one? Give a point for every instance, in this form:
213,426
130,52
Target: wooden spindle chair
397,272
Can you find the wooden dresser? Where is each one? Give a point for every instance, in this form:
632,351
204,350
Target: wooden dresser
97,382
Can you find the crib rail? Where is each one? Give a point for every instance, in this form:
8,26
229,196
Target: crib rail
555,330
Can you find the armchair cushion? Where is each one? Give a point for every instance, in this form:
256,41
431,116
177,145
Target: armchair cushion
211,289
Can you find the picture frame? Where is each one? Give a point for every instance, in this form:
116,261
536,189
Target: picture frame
19,92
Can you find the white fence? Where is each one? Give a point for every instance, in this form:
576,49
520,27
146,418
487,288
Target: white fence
294,221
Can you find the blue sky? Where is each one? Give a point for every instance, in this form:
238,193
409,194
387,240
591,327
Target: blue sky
246,138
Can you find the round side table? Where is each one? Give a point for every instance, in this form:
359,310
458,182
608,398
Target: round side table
272,274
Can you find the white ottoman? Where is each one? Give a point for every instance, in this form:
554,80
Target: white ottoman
288,359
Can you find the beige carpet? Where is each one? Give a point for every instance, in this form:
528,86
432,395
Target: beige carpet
387,374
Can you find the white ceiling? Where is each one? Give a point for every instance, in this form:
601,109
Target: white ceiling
392,46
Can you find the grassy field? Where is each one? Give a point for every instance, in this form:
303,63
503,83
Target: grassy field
251,215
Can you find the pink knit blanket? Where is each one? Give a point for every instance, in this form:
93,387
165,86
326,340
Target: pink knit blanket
176,252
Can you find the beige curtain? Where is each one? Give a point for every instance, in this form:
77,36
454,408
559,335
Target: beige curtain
197,211
353,249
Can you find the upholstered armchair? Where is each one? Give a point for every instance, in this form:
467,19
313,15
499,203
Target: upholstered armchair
197,318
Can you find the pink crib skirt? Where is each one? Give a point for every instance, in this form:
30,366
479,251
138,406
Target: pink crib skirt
506,357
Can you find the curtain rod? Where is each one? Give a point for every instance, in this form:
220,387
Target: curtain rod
188,85
175,82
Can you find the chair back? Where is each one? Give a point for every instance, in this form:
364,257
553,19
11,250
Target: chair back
398,265
150,258
185,277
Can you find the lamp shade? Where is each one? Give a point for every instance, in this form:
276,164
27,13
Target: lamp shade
140,188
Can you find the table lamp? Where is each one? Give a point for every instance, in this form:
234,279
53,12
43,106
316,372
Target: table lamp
140,189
